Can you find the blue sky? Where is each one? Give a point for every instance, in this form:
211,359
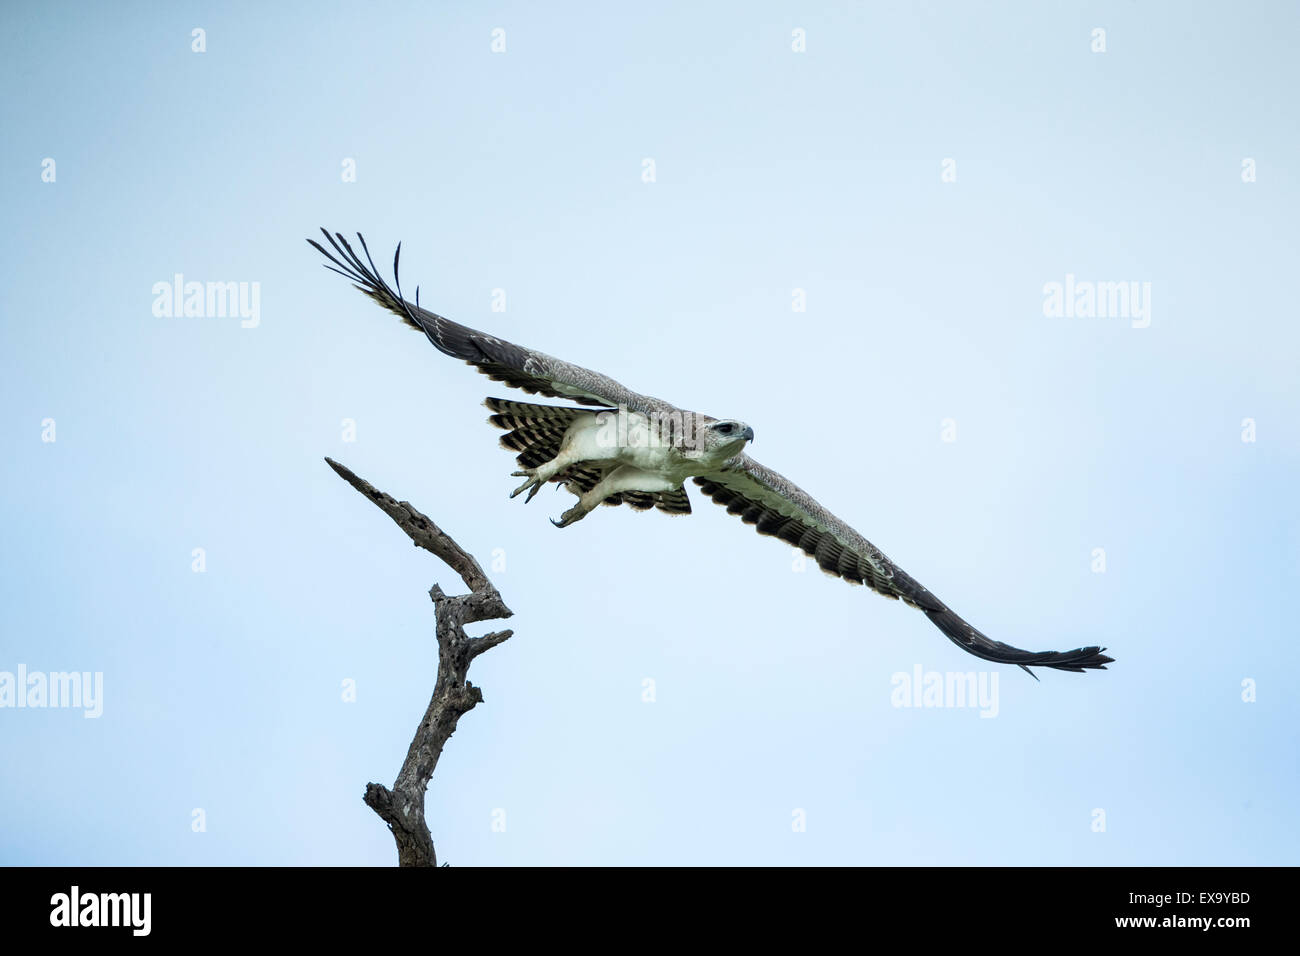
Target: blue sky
923,395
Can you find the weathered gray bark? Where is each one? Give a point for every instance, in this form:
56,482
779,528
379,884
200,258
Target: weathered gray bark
402,807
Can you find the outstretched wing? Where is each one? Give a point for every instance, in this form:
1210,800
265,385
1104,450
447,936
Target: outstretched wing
517,366
778,507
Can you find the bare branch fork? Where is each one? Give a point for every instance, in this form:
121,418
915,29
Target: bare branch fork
402,808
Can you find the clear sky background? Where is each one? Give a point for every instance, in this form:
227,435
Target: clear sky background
775,170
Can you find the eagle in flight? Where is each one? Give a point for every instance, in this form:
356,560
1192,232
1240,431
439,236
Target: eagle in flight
615,446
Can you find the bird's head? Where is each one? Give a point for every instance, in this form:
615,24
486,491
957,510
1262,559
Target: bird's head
725,438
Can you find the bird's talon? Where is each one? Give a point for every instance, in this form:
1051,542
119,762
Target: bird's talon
569,517
533,482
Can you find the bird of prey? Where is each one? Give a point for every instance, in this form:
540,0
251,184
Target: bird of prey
614,446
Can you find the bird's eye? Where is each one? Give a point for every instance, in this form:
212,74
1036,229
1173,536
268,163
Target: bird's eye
725,428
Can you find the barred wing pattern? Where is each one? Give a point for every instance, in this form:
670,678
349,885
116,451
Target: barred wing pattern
777,507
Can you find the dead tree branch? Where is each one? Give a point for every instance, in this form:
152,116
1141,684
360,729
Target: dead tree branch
402,807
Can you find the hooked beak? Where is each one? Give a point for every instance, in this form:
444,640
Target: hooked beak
748,433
